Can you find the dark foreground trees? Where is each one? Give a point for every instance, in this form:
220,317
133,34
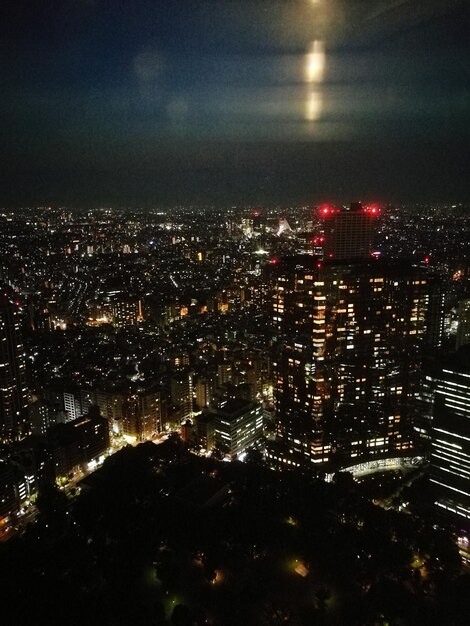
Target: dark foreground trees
159,536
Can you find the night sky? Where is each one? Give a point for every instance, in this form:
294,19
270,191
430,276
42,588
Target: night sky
139,103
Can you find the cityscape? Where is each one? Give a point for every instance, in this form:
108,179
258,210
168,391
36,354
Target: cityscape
235,389
313,341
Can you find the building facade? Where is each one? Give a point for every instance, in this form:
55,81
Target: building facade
13,391
235,425
450,439
347,372
143,413
463,328
349,233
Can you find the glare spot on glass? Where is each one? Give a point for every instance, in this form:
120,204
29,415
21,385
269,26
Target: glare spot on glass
314,106
315,62
314,70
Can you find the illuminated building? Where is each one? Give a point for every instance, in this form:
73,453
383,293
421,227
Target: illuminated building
181,393
142,413
463,328
43,415
13,393
284,227
126,312
77,445
74,401
349,233
109,403
9,504
347,374
204,389
224,373
235,425
259,222
450,439
72,405
16,487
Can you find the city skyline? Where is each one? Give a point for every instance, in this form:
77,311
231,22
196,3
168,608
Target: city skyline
203,399
234,102
235,312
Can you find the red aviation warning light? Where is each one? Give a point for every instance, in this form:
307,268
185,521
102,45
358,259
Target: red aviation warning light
274,261
326,210
426,259
372,209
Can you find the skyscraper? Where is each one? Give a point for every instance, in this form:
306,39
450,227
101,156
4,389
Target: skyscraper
347,372
463,329
143,412
450,438
13,395
349,233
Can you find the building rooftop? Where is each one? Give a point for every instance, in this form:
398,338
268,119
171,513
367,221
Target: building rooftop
234,407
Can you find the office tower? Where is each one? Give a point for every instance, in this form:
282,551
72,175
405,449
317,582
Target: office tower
450,438
347,373
463,328
234,425
349,233
13,394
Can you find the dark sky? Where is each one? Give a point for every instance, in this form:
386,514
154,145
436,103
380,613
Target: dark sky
243,101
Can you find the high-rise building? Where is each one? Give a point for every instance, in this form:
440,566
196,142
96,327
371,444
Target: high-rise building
352,336
204,389
73,400
463,328
181,394
126,312
450,439
224,373
234,425
349,233
13,392
143,413
109,402
8,500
